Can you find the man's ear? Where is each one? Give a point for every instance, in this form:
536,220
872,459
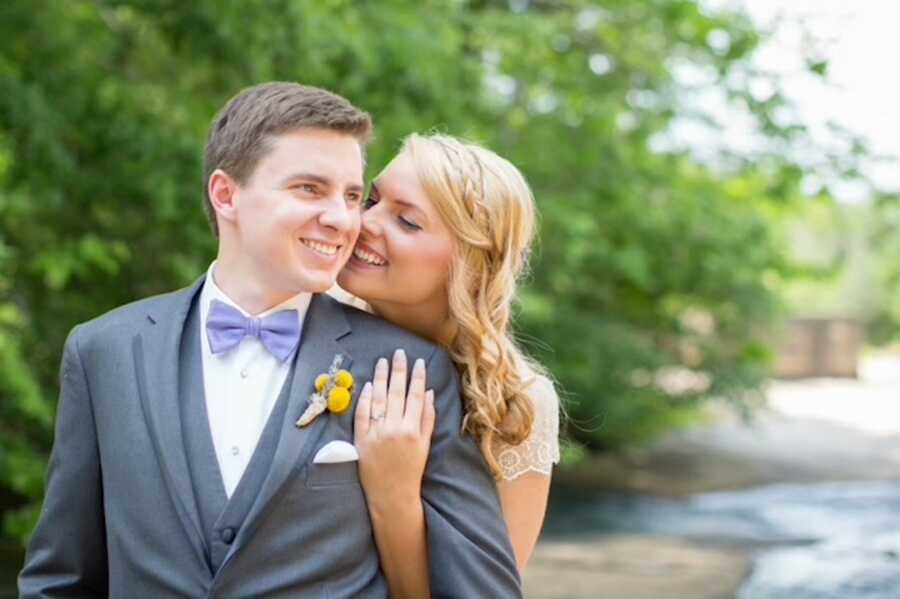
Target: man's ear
222,190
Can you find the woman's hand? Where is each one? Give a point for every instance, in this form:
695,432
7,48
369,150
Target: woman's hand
393,433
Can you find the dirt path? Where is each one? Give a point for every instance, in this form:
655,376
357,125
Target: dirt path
634,567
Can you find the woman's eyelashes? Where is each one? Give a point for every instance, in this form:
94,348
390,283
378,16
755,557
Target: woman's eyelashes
407,224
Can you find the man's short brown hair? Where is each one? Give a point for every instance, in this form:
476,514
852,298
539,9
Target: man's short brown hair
240,133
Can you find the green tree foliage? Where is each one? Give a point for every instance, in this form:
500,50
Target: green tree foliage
884,325
651,284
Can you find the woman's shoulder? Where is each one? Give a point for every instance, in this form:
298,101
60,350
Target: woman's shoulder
540,450
542,393
545,400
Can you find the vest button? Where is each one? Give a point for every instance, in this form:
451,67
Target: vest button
228,535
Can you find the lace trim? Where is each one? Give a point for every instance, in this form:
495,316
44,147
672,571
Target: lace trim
540,451
513,464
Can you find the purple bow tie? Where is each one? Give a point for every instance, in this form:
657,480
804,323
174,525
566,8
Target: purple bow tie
226,327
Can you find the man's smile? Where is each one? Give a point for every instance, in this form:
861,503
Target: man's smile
326,249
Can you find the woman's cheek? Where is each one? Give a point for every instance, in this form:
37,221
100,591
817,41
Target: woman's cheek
409,264
437,259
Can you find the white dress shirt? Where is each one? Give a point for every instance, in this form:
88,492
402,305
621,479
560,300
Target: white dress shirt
241,385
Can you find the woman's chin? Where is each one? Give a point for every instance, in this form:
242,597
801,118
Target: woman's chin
361,279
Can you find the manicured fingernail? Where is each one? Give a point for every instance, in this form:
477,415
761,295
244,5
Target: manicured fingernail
430,396
382,363
367,388
420,364
399,355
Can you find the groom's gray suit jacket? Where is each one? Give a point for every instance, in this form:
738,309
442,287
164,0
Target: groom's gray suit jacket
134,506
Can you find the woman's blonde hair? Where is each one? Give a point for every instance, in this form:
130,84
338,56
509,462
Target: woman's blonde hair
488,206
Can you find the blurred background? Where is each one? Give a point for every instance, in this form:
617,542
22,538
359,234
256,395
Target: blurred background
715,287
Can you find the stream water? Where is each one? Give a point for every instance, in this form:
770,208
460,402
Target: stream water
823,541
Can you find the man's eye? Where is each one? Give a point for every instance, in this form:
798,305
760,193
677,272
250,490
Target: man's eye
307,188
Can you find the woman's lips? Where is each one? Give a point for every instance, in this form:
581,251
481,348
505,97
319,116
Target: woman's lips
366,255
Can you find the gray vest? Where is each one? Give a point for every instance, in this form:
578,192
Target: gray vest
220,516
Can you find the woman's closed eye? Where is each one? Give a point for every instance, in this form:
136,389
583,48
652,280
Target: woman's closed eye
408,224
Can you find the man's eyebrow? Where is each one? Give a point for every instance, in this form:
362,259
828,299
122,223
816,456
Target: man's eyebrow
308,177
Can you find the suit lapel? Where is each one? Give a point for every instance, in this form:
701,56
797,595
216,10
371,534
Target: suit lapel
324,325
156,353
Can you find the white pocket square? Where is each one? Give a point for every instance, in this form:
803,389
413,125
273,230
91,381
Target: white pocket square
336,451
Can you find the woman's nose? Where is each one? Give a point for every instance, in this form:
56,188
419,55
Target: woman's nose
371,221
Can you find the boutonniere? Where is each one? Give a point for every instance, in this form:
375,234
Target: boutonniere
334,392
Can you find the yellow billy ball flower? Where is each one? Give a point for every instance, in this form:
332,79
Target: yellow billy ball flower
344,379
321,382
339,400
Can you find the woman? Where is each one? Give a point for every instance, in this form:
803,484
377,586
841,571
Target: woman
445,235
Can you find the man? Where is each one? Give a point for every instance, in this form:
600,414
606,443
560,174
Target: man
178,469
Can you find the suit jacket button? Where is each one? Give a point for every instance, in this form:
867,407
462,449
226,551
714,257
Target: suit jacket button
228,535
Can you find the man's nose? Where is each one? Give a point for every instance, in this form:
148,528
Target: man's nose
339,215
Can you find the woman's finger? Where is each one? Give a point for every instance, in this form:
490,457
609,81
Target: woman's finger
415,397
428,415
379,389
397,388
363,412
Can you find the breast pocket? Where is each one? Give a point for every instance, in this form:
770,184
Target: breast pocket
323,476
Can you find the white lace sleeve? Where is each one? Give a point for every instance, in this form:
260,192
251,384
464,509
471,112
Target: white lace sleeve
540,450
